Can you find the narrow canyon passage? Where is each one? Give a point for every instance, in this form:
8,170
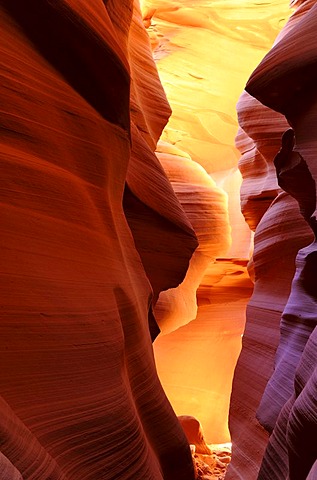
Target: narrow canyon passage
196,362
158,237
204,52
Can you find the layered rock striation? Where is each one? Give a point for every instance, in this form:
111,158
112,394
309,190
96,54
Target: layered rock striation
80,397
283,303
206,207
193,46
291,452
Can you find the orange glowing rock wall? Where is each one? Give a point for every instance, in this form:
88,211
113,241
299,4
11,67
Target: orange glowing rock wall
80,397
204,53
282,310
206,206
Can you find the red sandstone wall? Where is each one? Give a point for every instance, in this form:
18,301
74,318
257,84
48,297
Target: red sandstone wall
80,397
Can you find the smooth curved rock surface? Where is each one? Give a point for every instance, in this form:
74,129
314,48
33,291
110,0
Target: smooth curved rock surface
258,139
288,88
284,81
193,48
273,275
279,228
80,397
150,204
203,91
194,433
206,207
157,221
291,452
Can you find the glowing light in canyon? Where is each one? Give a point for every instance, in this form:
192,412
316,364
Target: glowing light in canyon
113,226
204,52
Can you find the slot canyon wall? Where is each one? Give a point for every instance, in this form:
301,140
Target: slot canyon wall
280,208
270,207
198,51
121,226
82,109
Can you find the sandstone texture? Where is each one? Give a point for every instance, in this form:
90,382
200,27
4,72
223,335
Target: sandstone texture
206,207
291,452
204,54
282,310
121,220
82,109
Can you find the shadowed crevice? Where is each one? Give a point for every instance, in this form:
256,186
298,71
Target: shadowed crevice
294,176
78,53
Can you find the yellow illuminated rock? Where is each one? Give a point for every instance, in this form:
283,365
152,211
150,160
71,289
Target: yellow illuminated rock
205,51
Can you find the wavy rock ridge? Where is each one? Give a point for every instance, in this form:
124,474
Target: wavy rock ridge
284,229
193,46
80,397
93,232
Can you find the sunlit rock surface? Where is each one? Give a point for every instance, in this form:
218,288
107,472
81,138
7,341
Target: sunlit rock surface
258,140
93,232
284,81
206,206
149,199
204,54
80,397
195,45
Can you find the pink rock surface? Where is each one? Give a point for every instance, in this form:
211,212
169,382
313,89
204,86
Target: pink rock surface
258,140
80,397
284,81
281,229
313,472
7,470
